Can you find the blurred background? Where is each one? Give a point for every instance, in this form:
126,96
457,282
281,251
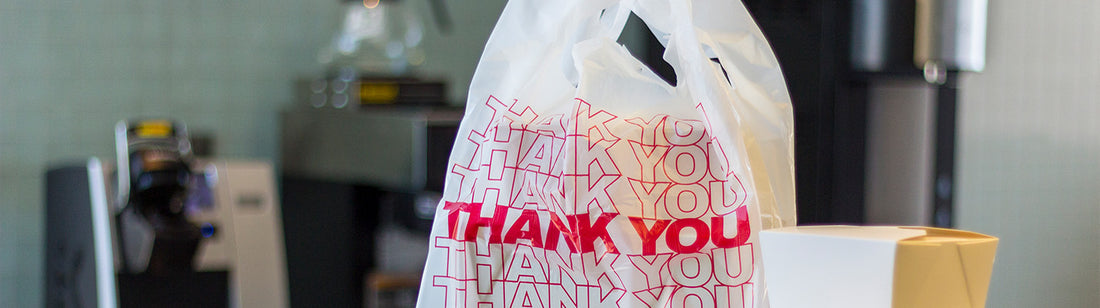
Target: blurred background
1025,165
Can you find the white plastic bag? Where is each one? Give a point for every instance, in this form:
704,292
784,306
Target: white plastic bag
581,179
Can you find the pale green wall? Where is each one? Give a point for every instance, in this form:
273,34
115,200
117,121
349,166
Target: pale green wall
70,69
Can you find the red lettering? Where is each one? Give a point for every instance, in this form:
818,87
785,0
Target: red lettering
538,154
581,238
718,202
653,297
686,201
648,156
673,238
716,160
651,269
649,235
602,172
733,266
527,226
649,129
686,164
648,197
691,270
692,297
556,231
685,132
718,226
495,223
734,296
452,217
589,232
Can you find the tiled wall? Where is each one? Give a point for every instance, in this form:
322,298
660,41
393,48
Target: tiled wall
1029,152
70,69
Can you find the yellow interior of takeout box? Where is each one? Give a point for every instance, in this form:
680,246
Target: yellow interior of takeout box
943,268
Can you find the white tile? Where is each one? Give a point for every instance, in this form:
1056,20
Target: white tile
22,197
158,109
8,262
29,282
28,171
154,97
244,96
150,64
150,29
9,283
18,129
266,132
115,29
96,128
140,6
24,95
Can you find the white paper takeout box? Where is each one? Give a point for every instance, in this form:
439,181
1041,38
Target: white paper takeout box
853,267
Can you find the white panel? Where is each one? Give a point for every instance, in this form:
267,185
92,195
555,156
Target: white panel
259,273
102,236
858,262
218,251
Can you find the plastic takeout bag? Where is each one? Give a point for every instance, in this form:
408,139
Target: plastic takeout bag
581,179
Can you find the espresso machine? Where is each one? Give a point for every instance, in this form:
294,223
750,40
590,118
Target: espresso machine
161,228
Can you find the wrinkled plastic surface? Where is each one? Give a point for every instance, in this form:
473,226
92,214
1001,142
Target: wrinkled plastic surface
581,179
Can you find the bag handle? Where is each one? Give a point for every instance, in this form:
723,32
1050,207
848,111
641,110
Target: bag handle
676,33
613,18
754,96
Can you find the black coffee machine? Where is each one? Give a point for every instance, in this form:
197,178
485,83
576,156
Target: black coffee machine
157,239
130,244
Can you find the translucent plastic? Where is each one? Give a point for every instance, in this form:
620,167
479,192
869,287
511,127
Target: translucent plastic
376,37
581,179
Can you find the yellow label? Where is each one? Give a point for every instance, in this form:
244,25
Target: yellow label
154,129
377,93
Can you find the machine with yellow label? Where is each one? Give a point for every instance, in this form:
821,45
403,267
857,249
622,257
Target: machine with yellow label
162,228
